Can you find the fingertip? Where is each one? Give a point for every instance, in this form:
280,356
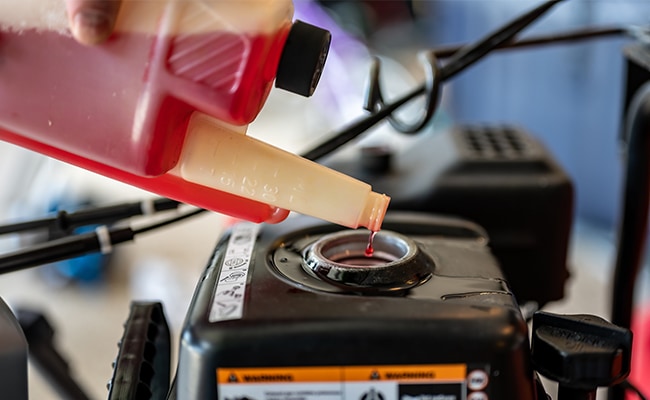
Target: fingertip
92,21
91,26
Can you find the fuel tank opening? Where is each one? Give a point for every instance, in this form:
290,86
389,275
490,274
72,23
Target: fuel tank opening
395,264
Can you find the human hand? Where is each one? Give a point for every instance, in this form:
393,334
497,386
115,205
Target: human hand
92,21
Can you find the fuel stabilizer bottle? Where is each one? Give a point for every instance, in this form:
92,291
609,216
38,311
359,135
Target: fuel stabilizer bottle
165,102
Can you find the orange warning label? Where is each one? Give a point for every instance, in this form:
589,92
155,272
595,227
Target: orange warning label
279,375
400,373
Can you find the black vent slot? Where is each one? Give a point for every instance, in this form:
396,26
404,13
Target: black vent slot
495,142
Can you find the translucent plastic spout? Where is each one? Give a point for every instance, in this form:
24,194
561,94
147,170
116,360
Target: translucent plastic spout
218,156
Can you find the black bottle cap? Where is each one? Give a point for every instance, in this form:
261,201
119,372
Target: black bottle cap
303,58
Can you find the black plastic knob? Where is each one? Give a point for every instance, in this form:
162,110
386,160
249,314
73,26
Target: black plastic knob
303,59
580,351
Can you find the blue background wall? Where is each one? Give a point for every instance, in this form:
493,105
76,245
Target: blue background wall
569,96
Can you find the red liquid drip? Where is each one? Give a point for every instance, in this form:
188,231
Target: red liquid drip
370,250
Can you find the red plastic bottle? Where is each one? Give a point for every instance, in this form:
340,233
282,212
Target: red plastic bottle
121,108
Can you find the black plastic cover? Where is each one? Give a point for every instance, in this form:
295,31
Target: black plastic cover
464,314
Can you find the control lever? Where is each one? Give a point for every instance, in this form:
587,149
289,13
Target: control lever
40,338
580,352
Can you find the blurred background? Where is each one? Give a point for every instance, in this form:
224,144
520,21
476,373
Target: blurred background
569,96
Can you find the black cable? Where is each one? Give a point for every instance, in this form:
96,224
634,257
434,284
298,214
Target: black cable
65,221
460,60
168,221
59,249
554,38
73,246
470,54
111,214
358,127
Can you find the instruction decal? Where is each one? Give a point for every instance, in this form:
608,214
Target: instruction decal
228,299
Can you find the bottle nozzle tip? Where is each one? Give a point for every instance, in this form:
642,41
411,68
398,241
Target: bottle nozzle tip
374,211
